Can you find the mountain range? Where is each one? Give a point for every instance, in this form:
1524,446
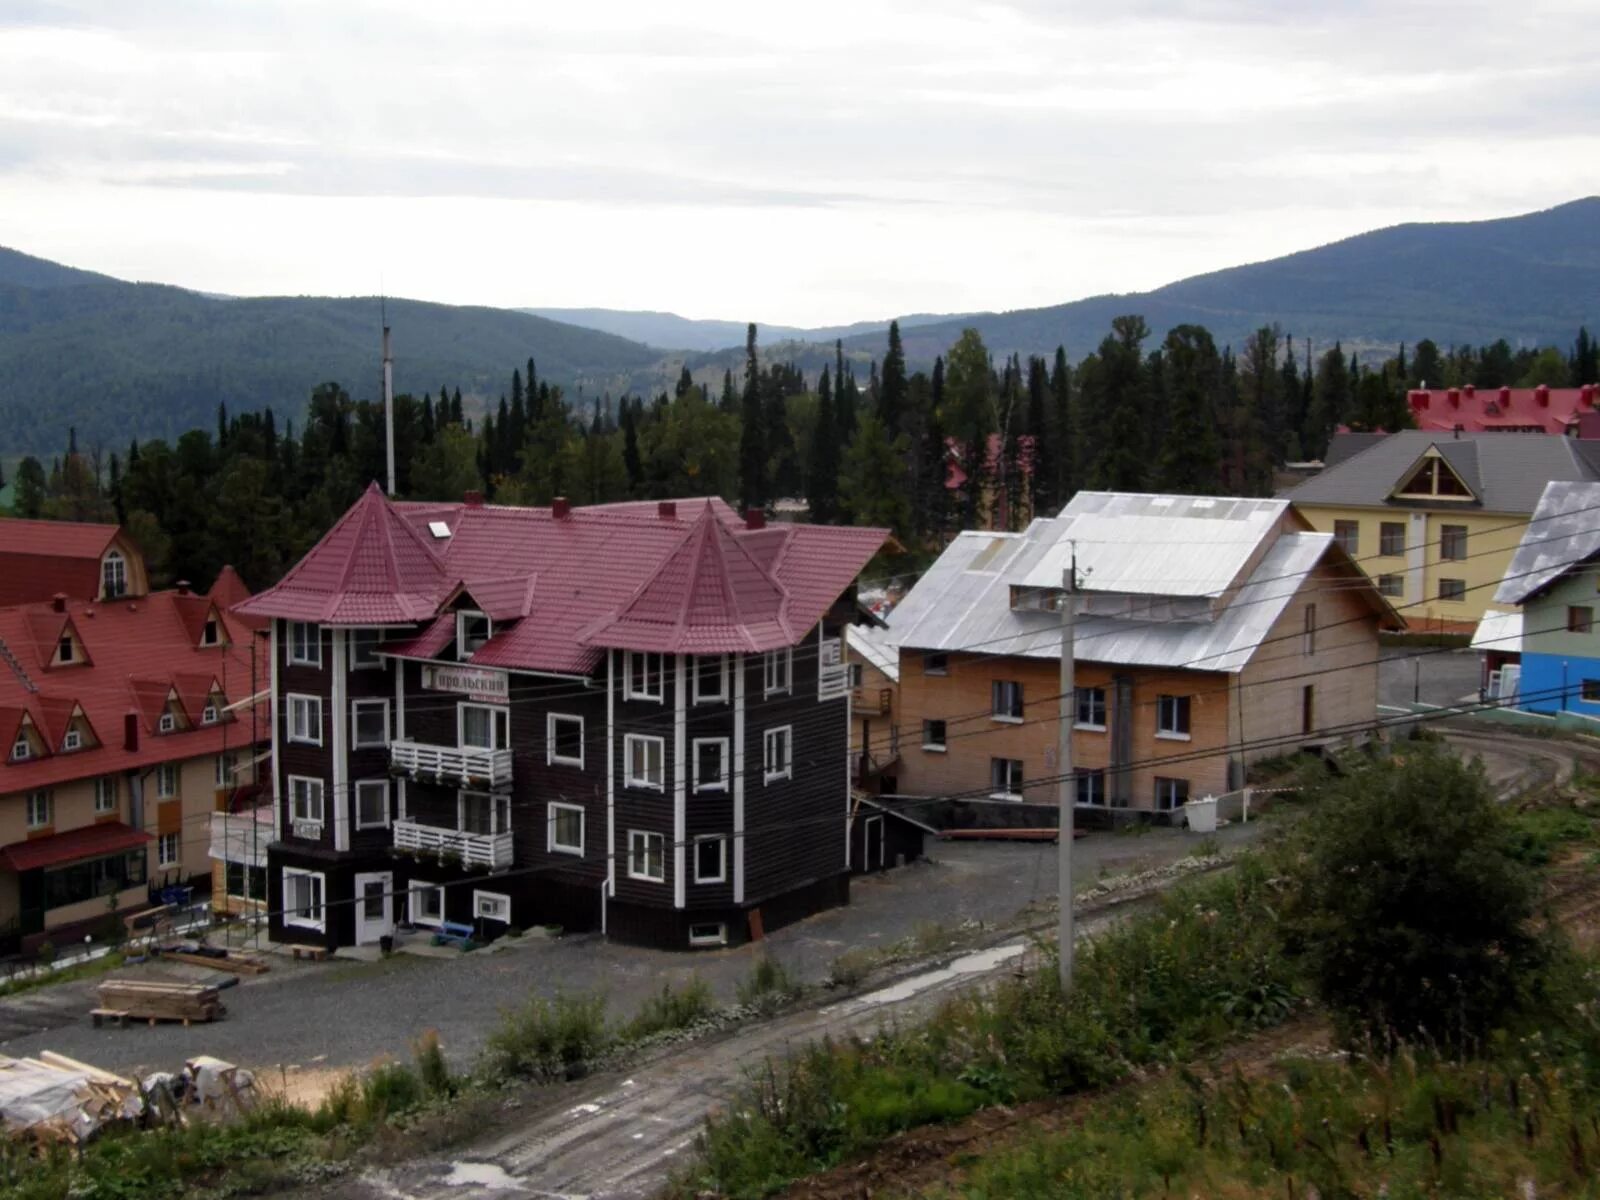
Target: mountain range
118,359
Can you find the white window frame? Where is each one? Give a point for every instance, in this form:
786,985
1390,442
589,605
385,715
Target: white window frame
708,933
1000,689
1100,779
697,696
641,839
550,755
722,858
163,860
414,908
22,748
498,802
558,847
356,706
499,726
629,692
66,651
313,914
168,723
40,808
357,661
368,785
1166,794
107,795
168,781
209,714
1077,704
1168,732
720,782
462,616
778,733
296,703
304,634
114,575
935,747
314,787
222,770
777,672
72,740
1007,793
629,741
499,900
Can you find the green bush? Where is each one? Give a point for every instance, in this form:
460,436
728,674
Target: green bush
1414,905
432,1070
768,985
670,1009
1536,832
549,1039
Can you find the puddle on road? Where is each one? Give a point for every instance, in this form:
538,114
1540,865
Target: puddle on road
967,964
481,1174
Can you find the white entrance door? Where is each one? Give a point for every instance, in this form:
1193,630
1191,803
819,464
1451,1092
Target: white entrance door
374,906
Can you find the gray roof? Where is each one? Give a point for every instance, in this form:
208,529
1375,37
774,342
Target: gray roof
1346,445
1564,532
876,645
1499,630
1506,471
963,602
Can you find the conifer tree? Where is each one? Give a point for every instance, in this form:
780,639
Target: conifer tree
1065,462
222,424
730,398
631,462
1119,395
685,382
845,395
456,414
1192,378
427,430
1041,466
1585,359
752,437
892,385
822,489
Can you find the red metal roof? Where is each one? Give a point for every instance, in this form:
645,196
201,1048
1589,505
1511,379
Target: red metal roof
687,577
1477,410
91,841
40,558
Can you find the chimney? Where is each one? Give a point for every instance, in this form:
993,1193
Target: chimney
1586,395
755,518
130,732
1419,398
1470,390
1458,432
560,508
183,587
58,602
1505,396
1454,395
1542,395
667,510
472,499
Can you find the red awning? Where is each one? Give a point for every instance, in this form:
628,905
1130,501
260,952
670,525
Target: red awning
91,841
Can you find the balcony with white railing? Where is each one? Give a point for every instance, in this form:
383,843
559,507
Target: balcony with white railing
833,673
465,766
472,849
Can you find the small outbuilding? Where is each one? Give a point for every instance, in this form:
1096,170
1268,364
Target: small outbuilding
884,835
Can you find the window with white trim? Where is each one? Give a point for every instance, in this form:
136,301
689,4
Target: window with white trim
777,753
933,734
483,726
643,759
777,671
1091,708
167,850
38,808
1171,793
72,740
566,829
484,813
166,781
426,905
113,575
1005,700
106,790
642,676
305,719
305,644
223,771
372,803
1005,779
209,714
65,650
1090,787
708,933
302,898
364,645
168,722
369,723
22,748
1172,716
491,906
305,799
710,762
473,629
647,858
710,673
711,859
563,739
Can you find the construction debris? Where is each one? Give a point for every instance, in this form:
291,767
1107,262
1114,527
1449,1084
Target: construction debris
155,1000
214,957
53,1100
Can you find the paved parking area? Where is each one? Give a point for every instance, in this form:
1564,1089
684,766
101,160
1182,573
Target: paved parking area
350,1013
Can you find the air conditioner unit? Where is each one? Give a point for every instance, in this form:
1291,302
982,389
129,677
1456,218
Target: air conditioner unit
310,830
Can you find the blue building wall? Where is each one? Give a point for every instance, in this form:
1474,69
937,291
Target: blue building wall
1554,683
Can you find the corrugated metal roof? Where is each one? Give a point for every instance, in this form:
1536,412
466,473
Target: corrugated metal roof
1505,470
953,607
875,646
1499,630
1564,532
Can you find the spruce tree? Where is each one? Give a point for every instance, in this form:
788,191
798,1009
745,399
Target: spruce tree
1585,359
1042,454
427,432
1065,462
222,424
822,489
845,395
631,461
752,439
730,398
1119,395
685,382
1190,454
892,385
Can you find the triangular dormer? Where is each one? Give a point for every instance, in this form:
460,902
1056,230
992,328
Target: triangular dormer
173,718
69,648
25,742
1433,478
78,734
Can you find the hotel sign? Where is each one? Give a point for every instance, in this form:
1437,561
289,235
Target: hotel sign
481,683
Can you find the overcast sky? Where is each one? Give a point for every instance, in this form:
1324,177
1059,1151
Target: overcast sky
803,163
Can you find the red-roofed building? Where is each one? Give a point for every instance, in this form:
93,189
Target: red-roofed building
1569,411
124,723
79,560
629,717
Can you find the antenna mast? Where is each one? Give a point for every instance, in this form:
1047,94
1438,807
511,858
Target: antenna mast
388,395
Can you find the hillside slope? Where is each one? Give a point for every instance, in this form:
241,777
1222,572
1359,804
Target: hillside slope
669,331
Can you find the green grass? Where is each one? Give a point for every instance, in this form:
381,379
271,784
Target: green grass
671,1009
769,985
85,970
1539,832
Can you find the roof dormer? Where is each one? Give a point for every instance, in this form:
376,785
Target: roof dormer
26,742
69,648
1432,478
78,734
173,718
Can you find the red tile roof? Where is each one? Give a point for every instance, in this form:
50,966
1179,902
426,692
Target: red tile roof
91,841
1477,410
40,558
140,650
691,579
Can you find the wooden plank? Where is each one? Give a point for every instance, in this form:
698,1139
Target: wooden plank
232,963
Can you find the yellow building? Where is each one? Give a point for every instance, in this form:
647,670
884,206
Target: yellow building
1435,518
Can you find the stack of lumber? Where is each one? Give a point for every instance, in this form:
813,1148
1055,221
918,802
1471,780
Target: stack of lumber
218,959
158,1000
55,1100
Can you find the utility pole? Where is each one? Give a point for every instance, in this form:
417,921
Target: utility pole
388,403
1066,789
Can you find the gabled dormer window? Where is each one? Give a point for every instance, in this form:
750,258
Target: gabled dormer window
1434,478
167,724
473,629
72,741
23,749
66,652
208,715
113,575
211,634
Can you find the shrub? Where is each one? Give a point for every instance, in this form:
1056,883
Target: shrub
46,953
388,1090
670,1009
768,985
1414,907
549,1039
432,1070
